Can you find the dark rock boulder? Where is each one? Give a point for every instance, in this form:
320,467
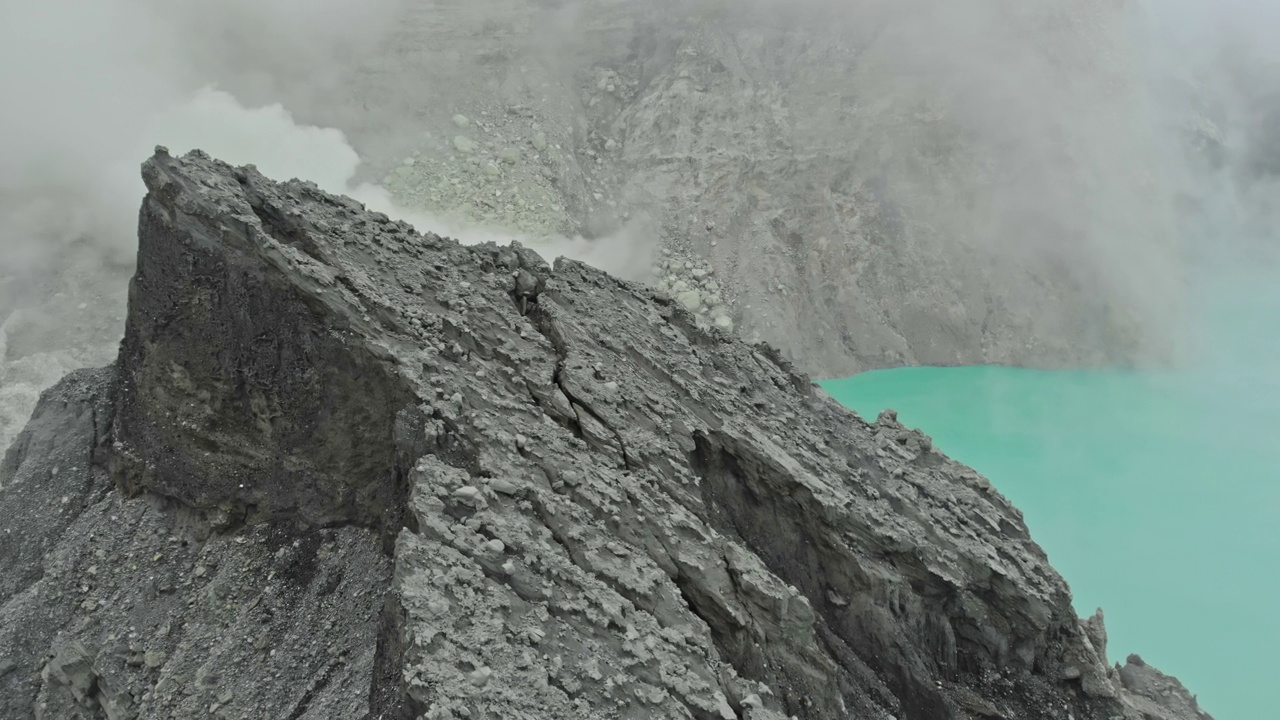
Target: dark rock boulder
343,469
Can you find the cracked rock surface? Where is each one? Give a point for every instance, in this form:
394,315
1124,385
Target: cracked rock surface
344,469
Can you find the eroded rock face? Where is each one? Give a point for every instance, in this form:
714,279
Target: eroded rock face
1155,695
875,183
443,481
123,607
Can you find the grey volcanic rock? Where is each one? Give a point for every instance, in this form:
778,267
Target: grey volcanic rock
1156,695
342,469
123,607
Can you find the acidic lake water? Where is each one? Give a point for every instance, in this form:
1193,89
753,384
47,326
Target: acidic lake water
1156,496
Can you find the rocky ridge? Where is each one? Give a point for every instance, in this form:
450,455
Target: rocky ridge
866,180
342,469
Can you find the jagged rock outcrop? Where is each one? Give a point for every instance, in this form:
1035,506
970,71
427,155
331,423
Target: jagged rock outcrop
342,469
861,184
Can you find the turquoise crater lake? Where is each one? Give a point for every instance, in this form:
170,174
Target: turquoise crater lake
1157,496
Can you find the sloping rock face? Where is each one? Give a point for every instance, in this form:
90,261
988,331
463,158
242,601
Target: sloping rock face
129,608
342,469
874,183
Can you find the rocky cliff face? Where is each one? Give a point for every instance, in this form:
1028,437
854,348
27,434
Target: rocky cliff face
873,183
861,184
342,469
